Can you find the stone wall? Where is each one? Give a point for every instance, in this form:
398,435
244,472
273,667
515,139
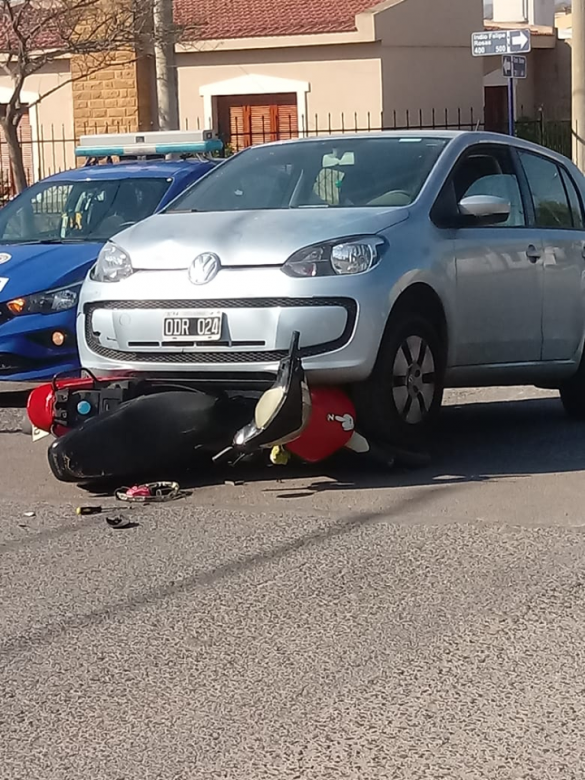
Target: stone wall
116,98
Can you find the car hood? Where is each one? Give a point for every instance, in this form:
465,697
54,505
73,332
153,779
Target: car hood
245,238
33,268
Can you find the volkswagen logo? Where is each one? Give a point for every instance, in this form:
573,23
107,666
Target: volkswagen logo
204,268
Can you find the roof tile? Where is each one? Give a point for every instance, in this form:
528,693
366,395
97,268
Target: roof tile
219,19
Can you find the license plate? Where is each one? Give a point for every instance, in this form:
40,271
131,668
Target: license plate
192,326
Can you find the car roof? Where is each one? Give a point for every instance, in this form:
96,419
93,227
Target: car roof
379,134
128,170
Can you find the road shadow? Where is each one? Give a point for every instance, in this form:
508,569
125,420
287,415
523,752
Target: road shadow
13,399
473,443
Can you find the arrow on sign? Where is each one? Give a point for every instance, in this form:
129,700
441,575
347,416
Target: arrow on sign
520,40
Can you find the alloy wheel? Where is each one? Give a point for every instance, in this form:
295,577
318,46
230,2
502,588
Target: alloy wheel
413,380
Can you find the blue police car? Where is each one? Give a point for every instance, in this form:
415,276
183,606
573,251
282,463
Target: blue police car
51,234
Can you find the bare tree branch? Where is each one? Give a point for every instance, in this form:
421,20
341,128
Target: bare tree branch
35,33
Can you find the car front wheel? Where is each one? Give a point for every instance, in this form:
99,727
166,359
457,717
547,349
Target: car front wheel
401,399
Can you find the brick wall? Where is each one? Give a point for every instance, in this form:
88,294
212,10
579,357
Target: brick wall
116,98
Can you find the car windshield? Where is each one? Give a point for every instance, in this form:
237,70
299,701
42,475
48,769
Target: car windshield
64,211
346,173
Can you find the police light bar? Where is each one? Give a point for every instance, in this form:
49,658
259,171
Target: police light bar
148,143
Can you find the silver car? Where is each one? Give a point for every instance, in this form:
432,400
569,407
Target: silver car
408,261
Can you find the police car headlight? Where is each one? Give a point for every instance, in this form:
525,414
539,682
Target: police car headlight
113,264
48,302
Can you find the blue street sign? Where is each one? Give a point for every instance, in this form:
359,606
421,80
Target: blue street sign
514,66
491,43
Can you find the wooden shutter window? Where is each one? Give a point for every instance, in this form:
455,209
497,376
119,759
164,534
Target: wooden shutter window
255,119
287,121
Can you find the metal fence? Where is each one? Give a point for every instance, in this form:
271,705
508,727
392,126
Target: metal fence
556,134
265,128
53,150
552,133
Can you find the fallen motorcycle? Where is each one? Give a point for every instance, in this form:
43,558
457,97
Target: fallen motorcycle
120,427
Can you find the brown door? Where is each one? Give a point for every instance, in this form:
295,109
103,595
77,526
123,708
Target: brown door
244,120
496,109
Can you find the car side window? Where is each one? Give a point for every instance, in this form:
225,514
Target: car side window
37,216
490,172
551,204
574,200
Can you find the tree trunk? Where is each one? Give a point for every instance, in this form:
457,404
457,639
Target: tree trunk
165,66
10,129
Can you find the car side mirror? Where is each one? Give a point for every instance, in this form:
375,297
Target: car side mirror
484,209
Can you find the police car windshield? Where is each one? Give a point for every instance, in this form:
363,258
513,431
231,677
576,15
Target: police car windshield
66,211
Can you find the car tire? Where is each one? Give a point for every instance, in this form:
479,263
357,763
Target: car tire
572,393
400,400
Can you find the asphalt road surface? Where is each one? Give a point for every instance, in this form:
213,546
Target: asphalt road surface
426,624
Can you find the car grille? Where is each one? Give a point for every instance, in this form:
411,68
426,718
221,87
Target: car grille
227,355
226,303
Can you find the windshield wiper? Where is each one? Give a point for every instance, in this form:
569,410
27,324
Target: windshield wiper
58,241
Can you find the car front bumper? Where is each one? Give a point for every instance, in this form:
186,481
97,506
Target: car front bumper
27,352
341,321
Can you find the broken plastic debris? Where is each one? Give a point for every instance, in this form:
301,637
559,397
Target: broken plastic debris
118,521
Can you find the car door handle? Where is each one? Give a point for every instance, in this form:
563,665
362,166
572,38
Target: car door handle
533,254
583,251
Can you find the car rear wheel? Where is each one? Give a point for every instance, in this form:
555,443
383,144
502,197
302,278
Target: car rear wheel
401,399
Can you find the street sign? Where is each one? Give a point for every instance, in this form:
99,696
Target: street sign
491,43
514,66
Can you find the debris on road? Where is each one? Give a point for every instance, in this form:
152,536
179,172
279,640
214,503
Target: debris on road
151,492
120,521
89,510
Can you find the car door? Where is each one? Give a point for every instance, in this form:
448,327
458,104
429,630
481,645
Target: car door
498,305
558,215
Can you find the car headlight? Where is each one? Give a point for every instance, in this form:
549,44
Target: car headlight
113,264
342,257
47,302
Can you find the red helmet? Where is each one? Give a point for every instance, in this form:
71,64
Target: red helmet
330,427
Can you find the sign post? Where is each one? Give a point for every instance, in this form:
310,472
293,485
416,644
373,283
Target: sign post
510,45
511,109
513,67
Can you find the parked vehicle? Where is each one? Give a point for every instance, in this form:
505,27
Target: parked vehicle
51,235
409,262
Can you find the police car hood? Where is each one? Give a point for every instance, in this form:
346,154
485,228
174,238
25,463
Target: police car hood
32,268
